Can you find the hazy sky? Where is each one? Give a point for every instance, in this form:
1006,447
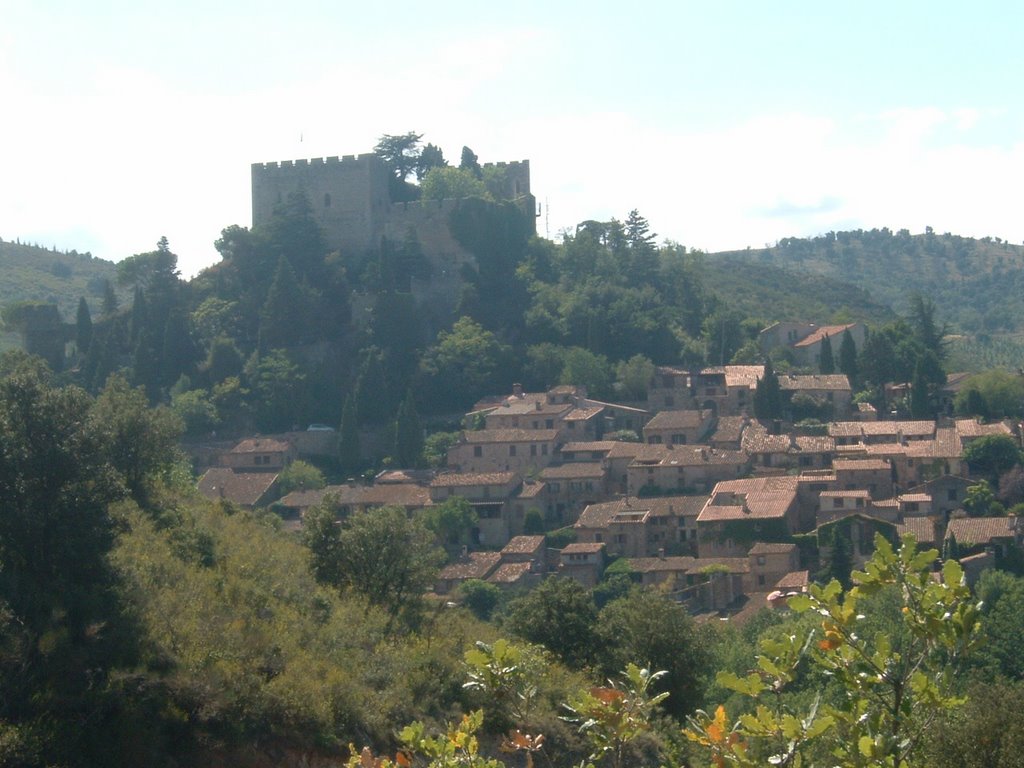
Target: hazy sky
726,124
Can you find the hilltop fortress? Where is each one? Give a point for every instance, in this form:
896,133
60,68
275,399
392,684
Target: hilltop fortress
350,200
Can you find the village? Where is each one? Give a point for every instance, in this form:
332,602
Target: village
724,512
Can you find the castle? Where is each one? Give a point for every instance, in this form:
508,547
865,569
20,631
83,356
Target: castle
350,200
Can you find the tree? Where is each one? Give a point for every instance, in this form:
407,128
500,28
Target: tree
584,368
300,476
469,162
826,362
401,155
109,300
768,394
848,356
480,597
282,316
139,442
451,520
991,456
894,678
388,558
633,376
83,327
276,389
560,615
451,184
646,627
408,448
993,394
349,451
431,157
980,501
462,365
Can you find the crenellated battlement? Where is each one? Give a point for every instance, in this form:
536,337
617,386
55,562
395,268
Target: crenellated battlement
511,165
351,160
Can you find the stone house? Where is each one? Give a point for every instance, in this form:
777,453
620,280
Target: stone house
525,451
569,488
489,493
246,489
740,512
259,454
642,527
770,562
583,562
678,427
668,468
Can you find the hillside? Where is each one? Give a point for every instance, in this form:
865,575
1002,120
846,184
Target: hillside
770,292
31,273
977,285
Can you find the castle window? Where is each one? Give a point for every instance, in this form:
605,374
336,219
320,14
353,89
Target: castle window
327,199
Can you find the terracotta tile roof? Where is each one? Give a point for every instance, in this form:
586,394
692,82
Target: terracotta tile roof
623,450
861,465
510,436
573,469
463,479
688,456
392,476
304,499
678,420
834,382
908,429
539,407
734,564
851,494
261,445
918,497
245,488
509,573
728,429
922,529
523,545
969,428
530,490
678,564
583,446
815,444
583,413
750,498
583,548
743,375
794,580
768,548
819,334
981,530
598,515
475,565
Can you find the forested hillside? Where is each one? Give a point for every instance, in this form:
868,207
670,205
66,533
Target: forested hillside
978,285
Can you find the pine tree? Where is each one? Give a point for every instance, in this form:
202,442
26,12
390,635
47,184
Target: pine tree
83,327
408,434
848,356
920,394
826,361
348,442
281,321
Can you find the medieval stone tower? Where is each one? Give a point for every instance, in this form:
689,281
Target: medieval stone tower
350,200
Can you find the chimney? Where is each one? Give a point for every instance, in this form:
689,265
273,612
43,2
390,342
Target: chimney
517,390
661,553
537,404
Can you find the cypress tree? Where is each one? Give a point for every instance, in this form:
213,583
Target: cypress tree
848,356
374,403
348,437
83,327
826,361
408,434
109,299
281,321
768,394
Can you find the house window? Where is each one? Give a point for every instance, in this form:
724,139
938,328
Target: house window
951,494
597,538
549,423
478,450
760,579
511,450
533,449
760,559
655,440
544,450
837,503
678,439
620,538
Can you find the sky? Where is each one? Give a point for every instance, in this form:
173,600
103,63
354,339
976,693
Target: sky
726,124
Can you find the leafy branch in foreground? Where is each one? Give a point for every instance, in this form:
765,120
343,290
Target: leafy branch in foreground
894,683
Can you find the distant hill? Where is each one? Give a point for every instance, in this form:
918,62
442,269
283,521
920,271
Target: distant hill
977,285
31,273
762,290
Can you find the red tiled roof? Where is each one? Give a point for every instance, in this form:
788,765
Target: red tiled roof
523,545
261,445
245,488
981,530
463,479
573,469
819,334
509,573
510,436
678,420
475,565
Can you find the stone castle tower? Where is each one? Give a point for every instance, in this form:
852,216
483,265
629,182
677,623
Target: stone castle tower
350,200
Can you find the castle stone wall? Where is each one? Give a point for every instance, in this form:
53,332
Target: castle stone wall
349,196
